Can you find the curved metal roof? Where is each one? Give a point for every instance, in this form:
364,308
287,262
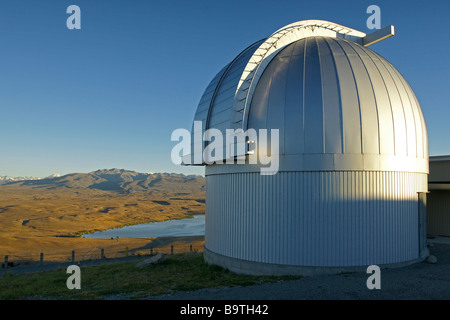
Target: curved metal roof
333,96
338,105
216,104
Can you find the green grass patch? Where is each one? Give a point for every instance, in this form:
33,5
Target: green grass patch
122,280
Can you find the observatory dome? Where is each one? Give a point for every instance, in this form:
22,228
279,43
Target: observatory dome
340,105
353,156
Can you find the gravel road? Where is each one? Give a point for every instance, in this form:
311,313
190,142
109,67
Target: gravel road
422,281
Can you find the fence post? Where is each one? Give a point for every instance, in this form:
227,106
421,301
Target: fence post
73,256
103,254
42,258
171,249
151,251
190,248
6,261
126,251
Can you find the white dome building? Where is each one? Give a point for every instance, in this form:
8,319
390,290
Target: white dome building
353,157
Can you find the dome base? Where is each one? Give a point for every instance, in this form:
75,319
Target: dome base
269,269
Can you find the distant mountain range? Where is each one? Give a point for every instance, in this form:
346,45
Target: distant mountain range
12,179
116,180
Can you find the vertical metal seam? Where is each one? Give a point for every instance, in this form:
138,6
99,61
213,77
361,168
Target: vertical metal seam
341,120
321,92
357,95
389,98
303,93
373,92
423,125
408,91
411,106
401,100
285,98
276,61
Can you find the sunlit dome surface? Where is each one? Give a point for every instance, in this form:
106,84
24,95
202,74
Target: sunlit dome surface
333,96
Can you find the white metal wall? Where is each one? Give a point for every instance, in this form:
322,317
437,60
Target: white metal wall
345,218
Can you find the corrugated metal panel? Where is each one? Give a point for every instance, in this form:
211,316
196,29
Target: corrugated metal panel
314,218
438,213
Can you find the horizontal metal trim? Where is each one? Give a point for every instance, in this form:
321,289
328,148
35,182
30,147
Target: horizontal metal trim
260,268
331,162
439,158
439,186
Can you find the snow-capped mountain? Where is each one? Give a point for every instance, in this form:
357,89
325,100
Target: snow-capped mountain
13,179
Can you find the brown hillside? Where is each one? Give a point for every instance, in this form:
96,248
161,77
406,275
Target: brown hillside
47,215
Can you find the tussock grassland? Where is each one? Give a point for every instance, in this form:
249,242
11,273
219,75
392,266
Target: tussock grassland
179,272
35,219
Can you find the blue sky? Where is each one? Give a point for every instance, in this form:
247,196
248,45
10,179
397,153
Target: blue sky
110,95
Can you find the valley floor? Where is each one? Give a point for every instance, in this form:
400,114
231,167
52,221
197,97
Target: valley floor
51,221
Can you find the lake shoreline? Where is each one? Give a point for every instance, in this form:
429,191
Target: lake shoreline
80,234
153,229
